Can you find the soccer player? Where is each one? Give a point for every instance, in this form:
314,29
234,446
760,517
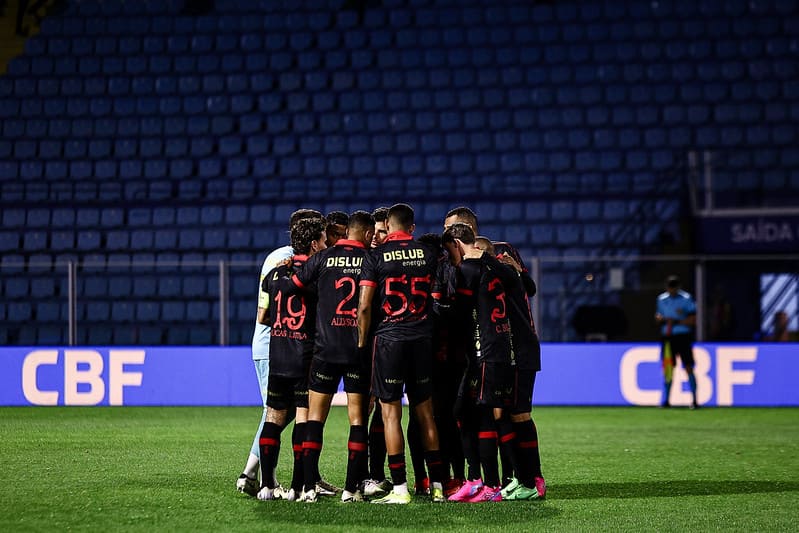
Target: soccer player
676,315
488,381
377,484
335,275
336,226
518,435
248,480
506,253
381,231
400,273
501,248
292,318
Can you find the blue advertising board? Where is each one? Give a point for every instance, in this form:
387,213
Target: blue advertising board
573,374
748,234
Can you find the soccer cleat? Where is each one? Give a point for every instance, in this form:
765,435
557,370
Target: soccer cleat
486,494
247,485
510,487
423,487
522,493
349,497
323,488
541,487
289,495
451,486
280,492
372,488
266,494
437,494
394,498
467,491
308,497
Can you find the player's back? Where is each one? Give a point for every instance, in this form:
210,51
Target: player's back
402,270
292,318
335,272
480,289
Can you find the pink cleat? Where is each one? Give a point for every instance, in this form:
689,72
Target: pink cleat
467,491
541,487
487,494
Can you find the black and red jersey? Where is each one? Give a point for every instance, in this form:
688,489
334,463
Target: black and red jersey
504,248
292,316
402,270
335,272
480,293
525,340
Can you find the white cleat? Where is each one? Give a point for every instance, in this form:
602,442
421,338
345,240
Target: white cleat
266,494
308,497
247,485
349,497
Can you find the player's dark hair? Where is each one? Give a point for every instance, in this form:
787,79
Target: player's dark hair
304,232
380,214
337,217
463,213
460,231
673,282
362,220
301,214
402,215
433,240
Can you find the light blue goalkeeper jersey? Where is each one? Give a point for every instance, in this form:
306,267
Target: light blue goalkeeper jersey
260,337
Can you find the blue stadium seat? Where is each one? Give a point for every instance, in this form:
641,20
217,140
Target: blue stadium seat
173,311
209,167
147,311
141,239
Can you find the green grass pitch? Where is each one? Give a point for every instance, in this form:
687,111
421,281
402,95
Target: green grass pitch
174,469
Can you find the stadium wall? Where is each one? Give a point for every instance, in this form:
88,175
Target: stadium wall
573,374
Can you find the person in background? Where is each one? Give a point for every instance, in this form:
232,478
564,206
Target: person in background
676,315
779,331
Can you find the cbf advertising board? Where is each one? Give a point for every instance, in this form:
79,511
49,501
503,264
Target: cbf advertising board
573,374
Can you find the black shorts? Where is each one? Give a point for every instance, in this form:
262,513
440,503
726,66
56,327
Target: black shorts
325,377
682,347
403,363
284,393
489,384
523,392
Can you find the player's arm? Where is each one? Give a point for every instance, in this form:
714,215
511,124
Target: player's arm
506,273
365,312
263,300
529,285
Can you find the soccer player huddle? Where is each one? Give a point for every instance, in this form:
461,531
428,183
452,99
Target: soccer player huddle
444,319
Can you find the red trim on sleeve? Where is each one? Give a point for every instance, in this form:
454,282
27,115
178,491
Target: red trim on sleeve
467,292
367,283
297,281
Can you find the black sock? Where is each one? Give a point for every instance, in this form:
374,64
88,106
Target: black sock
526,448
356,458
506,452
468,430
298,476
377,445
487,446
311,450
396,465
269,445
416,449
435,466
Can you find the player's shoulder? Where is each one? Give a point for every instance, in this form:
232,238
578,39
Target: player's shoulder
276,257
662,296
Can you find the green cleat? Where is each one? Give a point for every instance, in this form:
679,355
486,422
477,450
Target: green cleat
522,493
437,495
508,489
394,498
